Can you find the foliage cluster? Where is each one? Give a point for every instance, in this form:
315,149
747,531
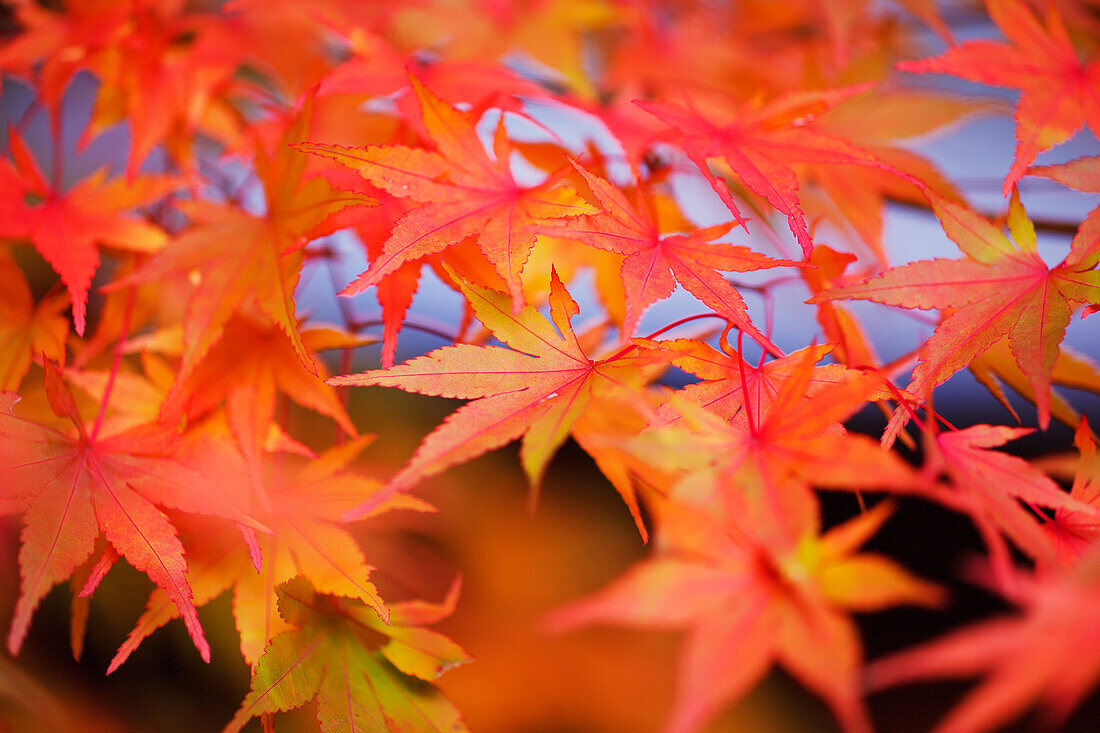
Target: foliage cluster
524,151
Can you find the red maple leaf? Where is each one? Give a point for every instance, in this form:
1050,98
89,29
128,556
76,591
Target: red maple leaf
1046,654
1001,288
762,145
748,607
463,192
76,486
300,509
263,267
1058,91
68,227
989,487
655,263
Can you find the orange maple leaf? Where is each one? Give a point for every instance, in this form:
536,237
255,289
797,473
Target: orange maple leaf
536,388
762,145
263,267
76,486
1002,288
1046,654
246,370
655,263
463,191
300,509
748,607
727,379
1058,91
27,329
762,466
989,487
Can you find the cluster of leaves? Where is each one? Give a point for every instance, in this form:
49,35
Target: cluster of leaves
141,418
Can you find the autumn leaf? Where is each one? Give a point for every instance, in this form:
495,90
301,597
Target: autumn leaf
1002,288
1058,91
655,263
463,192
1074,532
263,266
747,608
300,510
246,371
762,466
379,69
27,329
68,227
77,486
762,145
1045,654
162,68
993,487
727,379
535,387
364,674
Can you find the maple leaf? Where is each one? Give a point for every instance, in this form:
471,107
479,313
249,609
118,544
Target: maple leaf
161,67
26,329
67,227
1046,654
1070,369
1002,288
762,466
989,487
1073,532
379,69
262,268
727,378
535,388
300,511
75,487
761,147
748,608
463,193
357,668
1082,174
654,263
1058,91
246,370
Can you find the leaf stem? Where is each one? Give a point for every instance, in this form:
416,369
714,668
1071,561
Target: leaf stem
744,382
675,324
423,328
58,153
28,114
